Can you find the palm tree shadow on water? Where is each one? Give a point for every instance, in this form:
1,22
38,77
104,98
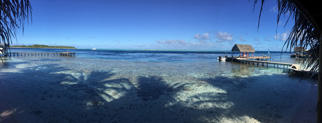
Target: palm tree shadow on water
102,96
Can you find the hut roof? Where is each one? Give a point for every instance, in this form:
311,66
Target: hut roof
299,49
243,48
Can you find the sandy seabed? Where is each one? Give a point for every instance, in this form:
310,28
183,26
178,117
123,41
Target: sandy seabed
99,90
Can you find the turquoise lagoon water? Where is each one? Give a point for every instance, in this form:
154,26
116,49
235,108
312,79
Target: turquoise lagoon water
151,86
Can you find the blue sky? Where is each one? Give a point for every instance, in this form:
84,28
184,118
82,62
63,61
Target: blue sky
154,24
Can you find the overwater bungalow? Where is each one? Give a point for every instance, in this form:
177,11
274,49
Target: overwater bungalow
299,52
245,49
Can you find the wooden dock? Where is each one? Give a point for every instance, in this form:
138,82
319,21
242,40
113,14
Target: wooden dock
283,65
54,54
266,63
295,69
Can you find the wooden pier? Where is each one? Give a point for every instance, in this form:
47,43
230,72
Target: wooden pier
295,69
283,65
266,63
55,54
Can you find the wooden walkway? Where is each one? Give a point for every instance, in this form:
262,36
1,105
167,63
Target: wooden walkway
264,63
57,54
292,68
283,65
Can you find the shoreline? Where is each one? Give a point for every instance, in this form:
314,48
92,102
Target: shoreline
40,48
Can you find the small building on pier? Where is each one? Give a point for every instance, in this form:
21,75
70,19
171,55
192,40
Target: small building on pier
299,49
299,52
243,48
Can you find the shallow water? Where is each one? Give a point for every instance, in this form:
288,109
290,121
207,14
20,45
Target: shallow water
150,87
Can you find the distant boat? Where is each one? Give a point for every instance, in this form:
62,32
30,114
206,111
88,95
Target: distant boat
293,55
93,48
221,59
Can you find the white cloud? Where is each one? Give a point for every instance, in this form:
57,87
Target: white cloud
201,41
197,36
173,42
224,36
182,44
203,36
281,36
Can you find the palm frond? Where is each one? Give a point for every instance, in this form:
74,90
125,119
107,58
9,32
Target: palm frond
303,33
13,14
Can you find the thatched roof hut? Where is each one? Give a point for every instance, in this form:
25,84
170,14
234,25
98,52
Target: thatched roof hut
243,48
299,49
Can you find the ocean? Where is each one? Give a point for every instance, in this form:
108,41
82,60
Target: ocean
151,86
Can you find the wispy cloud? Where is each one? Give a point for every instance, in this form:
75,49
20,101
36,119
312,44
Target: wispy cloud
174,42
203,36
281,36
201,41
224,36
242,39
182,44
267,38
197,36
258,43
